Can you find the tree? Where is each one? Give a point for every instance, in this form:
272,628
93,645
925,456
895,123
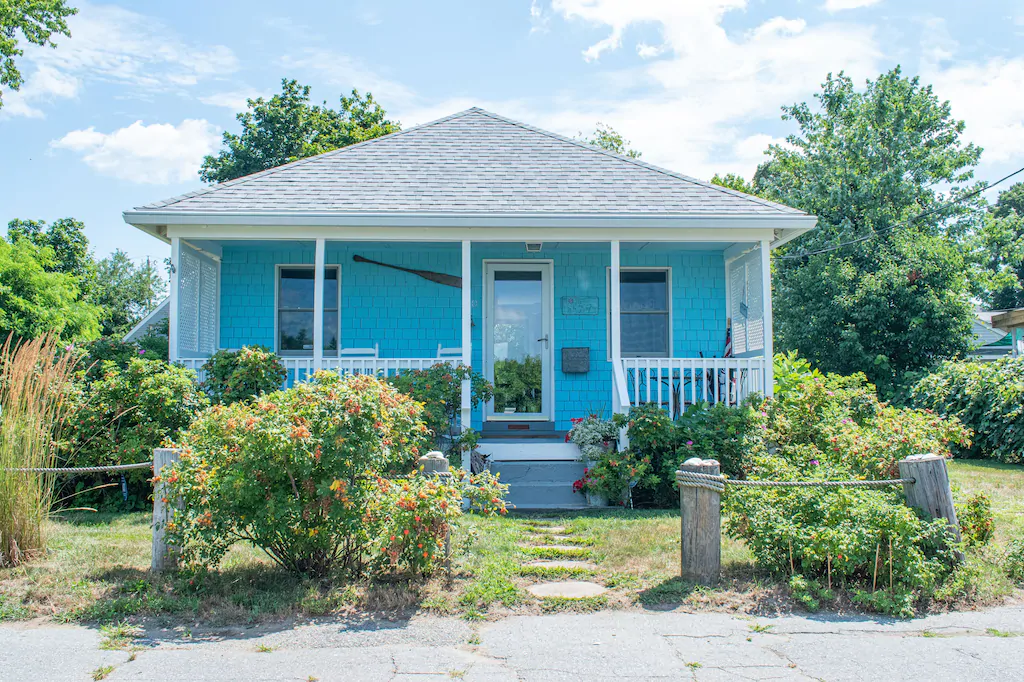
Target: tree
66,237
36,21
998,251
286,128
607,138
733,181
867,164
35,299
125,292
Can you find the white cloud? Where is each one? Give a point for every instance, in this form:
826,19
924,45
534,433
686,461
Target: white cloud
157,154
840,5
691,105
346,72
988,97
236,100
539,19
112,44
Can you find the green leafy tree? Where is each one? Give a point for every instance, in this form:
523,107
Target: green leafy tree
998,249
287,127
66,237
894,297
610,140
125,291
34,20
35,299
736,182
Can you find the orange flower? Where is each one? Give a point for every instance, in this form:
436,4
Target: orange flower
300,432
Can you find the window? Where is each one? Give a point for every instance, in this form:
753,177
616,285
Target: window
295,310
645,319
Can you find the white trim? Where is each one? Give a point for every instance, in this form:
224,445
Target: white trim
766,300
615,301
319,273
277,312
608,292
522,231
174,299
466,389
546,267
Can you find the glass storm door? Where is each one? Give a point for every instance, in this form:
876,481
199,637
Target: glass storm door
517,340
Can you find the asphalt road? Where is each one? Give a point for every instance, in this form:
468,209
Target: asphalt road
986,645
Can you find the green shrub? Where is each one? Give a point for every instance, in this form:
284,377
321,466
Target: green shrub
977,525
439,388
612,475
318,477
121,417
654,439
790,370
109,349
986,396
239,375
716,432
1014,562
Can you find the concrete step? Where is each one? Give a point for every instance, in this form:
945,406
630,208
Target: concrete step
541,484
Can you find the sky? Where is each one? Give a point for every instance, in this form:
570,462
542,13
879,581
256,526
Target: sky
122,113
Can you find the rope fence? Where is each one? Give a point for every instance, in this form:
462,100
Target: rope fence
717,482
84,470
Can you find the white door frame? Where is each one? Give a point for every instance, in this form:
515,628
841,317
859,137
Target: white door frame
546,267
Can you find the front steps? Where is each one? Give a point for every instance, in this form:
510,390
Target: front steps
539,472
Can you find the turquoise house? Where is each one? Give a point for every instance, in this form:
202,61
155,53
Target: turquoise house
577,280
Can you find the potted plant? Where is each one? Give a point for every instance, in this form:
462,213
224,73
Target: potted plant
611,477
594,437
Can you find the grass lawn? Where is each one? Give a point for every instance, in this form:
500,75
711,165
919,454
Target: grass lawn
97,570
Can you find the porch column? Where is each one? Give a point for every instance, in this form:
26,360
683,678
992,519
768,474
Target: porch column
615,305
318,305
1016,342
172,311
466,414
769,335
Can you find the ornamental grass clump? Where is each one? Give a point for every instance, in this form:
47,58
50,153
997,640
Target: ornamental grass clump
35,379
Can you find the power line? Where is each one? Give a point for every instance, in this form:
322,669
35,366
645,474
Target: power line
923,214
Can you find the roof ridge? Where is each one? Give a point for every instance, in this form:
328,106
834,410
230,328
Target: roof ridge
298,162
637,162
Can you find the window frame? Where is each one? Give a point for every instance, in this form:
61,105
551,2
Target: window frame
277,310
668,312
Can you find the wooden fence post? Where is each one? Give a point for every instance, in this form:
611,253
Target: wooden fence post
164,557
436,464
930,492
701,511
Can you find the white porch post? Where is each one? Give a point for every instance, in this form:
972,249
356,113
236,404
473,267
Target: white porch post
615,305
318,305
769,335
172,312
1016,342
466,413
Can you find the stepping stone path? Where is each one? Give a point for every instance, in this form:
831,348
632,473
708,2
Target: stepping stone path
566,589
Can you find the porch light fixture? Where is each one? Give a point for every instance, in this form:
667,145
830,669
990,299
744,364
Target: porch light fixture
533,247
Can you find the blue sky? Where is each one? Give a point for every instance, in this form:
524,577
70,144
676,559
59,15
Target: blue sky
122,113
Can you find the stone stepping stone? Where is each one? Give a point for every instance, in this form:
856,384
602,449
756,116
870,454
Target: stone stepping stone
562,538
569,589
547,529
565,548
563,563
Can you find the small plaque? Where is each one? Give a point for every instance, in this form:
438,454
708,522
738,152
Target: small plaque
576,360
580,305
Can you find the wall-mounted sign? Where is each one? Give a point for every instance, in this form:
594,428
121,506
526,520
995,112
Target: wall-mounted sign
580,305
576,360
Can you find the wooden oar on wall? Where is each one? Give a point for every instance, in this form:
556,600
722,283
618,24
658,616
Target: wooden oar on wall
438,277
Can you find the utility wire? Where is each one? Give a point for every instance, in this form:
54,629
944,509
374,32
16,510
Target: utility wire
923,214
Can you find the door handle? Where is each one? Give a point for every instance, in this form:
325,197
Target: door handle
544,339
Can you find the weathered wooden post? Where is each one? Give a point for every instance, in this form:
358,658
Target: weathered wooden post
930,492
436,464
701,511
164,557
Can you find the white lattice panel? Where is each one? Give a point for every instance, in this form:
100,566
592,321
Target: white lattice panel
737,295
208,307
189,287
746,303
755,302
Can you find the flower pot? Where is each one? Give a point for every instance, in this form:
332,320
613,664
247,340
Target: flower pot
597,500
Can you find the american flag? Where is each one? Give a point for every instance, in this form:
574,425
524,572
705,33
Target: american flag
728,341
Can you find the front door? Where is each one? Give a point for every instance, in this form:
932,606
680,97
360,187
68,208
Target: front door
518,341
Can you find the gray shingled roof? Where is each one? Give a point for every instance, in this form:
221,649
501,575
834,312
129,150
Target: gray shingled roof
473,162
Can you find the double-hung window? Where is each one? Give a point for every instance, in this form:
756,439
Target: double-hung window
295,285
645,314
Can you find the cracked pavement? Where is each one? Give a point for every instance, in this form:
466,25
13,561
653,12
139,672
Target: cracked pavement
610,645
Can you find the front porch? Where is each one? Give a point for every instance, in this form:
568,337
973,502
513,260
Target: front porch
563,329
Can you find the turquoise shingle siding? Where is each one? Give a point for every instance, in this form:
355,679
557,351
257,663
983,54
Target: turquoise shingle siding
409,316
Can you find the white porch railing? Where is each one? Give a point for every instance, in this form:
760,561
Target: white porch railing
301,369
674,383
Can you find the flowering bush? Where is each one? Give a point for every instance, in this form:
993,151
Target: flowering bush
439,388
239,375
119,418
612,476
94,356
988,397
977,524
1014,562
295,472
594,436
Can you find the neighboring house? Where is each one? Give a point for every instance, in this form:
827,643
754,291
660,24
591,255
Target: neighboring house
149,322
1011,321
594,282
990,343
